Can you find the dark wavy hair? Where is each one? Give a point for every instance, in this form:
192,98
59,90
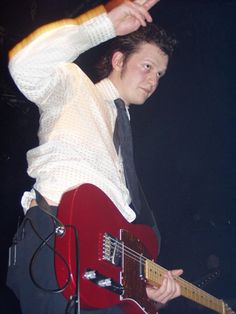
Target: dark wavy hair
130,44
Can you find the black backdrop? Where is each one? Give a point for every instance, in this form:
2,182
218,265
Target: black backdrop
184,139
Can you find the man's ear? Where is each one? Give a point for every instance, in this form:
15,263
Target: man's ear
117,61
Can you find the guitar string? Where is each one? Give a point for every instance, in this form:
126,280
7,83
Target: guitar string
142,259
131,254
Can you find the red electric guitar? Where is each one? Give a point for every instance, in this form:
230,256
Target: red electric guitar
115,257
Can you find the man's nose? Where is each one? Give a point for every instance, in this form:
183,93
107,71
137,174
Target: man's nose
153,80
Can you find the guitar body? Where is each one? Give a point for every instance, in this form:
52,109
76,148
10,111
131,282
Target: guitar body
111,253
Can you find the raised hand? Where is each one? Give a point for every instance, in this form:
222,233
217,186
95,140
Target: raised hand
128,16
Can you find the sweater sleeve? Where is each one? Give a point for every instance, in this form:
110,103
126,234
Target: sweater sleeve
35,62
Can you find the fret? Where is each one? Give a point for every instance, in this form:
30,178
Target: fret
154,275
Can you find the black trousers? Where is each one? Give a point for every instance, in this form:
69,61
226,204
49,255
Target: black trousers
24,257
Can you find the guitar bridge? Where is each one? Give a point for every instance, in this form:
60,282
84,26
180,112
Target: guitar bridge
112,249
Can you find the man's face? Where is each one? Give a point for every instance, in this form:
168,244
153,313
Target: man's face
138,78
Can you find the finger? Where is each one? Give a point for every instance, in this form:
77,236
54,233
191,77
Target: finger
177,272
138,14
171,290
144,14
160,294
176,291
148,4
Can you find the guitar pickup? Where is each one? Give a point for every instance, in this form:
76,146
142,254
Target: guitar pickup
103,282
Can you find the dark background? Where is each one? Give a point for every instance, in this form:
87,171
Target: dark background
184,140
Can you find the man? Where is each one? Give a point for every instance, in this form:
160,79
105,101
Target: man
77,124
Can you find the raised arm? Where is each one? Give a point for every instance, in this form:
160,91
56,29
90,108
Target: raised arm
35,62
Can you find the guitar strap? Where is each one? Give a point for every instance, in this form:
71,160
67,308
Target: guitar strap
44,206
147,217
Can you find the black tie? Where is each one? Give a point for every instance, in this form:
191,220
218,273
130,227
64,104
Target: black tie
123,138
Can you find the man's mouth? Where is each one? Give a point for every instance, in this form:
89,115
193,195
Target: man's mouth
146,90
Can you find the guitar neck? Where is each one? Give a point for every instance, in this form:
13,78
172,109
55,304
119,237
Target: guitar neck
154,274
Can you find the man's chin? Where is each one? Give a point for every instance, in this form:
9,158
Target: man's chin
140,102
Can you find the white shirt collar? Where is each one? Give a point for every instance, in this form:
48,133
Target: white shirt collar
108,90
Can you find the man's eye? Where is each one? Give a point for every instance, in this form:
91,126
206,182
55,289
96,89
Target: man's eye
147,66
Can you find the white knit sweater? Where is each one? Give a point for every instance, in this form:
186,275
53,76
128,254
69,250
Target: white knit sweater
77,118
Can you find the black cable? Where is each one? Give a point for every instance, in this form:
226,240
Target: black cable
59,230
37,251
74,300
